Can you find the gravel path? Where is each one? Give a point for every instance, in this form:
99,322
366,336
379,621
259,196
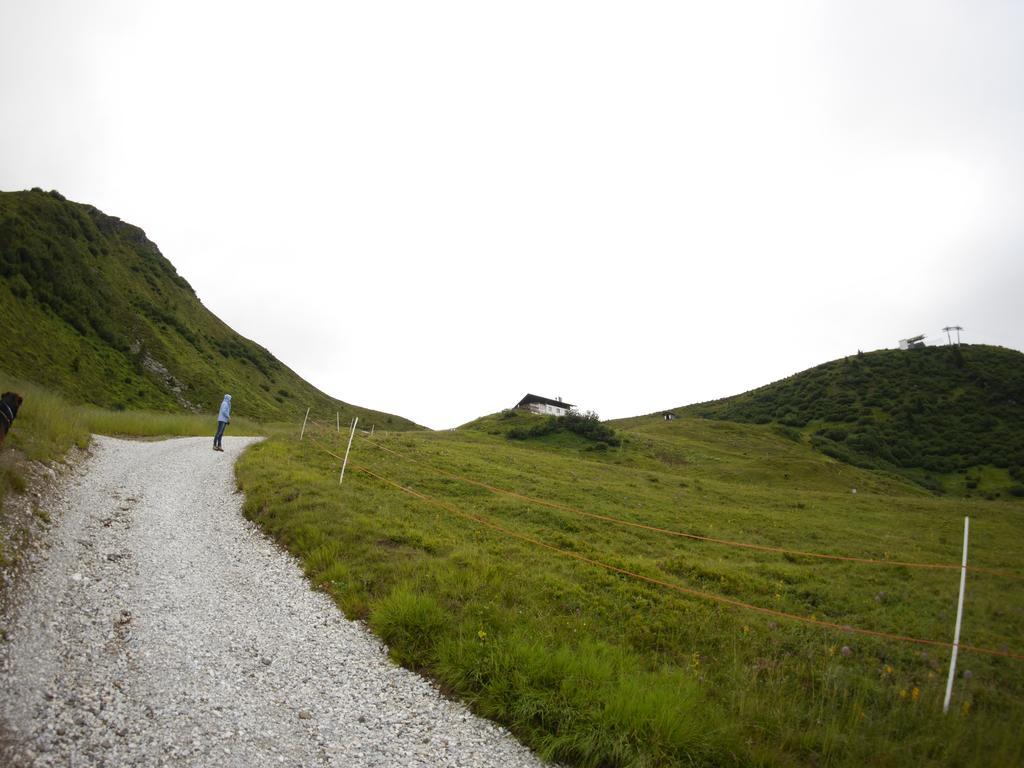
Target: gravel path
162,628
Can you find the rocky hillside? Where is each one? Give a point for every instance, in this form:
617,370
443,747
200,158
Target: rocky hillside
90,307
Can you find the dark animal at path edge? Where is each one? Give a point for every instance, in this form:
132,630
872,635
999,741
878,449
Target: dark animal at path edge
10,402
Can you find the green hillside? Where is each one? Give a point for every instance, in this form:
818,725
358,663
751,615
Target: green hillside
536,579
90,308
951,418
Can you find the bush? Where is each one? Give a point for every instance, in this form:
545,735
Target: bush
789,433
835,453
586,425
546,427
589,425
20,287
793,420
1017,490
838,435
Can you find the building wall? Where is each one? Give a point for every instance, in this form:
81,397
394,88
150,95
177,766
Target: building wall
546,410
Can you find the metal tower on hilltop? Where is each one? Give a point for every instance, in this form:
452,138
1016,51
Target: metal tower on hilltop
956,328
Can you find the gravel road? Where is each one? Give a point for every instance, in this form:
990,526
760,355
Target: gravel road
162,628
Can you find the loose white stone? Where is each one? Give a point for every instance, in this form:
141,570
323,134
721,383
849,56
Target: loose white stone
201,644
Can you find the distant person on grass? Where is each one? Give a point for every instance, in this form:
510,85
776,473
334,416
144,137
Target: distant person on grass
222,421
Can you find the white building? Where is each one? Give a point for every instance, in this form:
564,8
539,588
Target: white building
914,342
544,405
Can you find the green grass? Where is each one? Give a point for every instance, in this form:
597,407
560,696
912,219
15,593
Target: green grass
595,668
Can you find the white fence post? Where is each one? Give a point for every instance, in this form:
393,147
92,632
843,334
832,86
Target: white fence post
337,416
959,618
372,427
345,462
304,424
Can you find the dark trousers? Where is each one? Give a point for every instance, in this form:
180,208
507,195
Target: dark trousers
220,433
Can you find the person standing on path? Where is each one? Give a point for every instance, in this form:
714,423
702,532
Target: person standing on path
222,421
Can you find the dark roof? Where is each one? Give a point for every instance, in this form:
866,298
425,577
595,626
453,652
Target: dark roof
542,400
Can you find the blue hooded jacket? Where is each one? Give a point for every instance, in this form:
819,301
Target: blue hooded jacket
225,409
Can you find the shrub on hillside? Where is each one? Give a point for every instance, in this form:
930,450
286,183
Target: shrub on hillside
541,428
789,433
587,425
838,435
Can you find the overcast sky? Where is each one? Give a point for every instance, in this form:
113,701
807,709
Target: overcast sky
432,208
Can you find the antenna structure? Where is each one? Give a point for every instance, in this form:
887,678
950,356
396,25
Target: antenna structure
956,328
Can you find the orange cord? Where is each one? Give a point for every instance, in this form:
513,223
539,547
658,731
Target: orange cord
694,536
669,585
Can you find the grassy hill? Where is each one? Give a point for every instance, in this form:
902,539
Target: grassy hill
478,558
91,308
951,418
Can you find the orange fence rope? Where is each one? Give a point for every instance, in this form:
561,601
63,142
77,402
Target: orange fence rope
683,534
479,519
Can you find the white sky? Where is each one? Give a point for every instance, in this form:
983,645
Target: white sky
432,208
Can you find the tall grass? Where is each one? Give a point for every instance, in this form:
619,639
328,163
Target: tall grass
48,425
155,424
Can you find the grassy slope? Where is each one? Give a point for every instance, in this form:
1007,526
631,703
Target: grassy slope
89,307
951,419
595,668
